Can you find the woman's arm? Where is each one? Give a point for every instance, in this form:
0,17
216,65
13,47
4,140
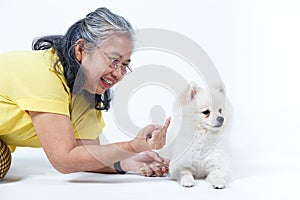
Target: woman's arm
96,142
57,138
144,163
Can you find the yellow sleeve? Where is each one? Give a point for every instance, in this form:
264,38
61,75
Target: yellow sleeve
33,84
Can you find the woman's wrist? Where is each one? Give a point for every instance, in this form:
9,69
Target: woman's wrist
119,168
124,166
135,148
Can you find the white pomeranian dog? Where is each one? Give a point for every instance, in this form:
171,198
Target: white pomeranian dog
199,149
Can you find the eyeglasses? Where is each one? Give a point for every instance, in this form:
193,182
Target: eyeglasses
116,63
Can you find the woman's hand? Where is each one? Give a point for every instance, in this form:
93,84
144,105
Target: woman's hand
147,163
152,137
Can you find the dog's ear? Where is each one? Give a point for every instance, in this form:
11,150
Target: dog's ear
220,88
189,93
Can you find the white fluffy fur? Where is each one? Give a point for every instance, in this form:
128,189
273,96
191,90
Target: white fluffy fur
199,151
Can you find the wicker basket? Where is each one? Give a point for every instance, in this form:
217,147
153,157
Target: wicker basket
5,159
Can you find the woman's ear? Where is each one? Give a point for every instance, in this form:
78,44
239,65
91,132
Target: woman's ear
78,49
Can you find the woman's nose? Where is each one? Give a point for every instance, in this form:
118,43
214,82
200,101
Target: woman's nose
117,73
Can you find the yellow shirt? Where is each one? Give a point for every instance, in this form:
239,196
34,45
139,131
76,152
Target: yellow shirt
28,82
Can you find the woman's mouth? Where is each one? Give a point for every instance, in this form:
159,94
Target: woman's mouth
106,82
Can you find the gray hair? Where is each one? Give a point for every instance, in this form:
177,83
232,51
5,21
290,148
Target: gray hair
100,25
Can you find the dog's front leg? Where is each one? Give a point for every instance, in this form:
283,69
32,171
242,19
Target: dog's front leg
186,178
218,178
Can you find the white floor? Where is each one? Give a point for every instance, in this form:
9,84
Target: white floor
32,177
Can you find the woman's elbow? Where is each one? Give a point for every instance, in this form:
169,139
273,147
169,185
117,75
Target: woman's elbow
64,167
64,170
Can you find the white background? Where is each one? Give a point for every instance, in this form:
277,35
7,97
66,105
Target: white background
255,46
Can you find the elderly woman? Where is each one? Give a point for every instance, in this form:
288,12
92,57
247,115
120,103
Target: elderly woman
53,97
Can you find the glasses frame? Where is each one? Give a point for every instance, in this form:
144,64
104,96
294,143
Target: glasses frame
115,63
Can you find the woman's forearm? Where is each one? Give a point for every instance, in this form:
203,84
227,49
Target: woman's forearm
104,170
68,155
96,158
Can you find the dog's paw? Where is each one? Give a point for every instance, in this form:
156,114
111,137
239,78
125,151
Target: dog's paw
218,179
187,181
218,184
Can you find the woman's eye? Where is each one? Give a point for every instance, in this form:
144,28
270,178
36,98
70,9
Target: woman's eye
220,110
115,62
124,66
206,112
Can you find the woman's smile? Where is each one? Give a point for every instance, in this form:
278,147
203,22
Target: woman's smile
107,82
104,84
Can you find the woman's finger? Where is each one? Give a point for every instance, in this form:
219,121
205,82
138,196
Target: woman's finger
154,156
157,170
167,124
146,170
154,130
165,160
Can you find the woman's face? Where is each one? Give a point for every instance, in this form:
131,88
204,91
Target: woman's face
98,70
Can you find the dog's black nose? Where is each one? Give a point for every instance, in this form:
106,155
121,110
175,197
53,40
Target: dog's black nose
220,119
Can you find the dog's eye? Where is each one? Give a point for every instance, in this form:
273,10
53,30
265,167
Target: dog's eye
220,110
206,112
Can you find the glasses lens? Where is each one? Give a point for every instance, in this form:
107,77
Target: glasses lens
116,63
124,69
